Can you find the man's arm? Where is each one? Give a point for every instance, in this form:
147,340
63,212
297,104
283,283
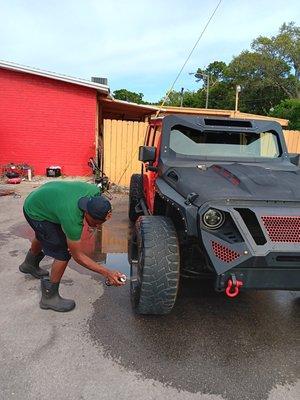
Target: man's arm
87,262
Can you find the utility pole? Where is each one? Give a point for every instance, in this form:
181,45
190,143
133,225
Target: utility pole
238,89
207,90
181,97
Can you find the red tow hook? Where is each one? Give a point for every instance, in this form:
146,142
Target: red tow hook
233,290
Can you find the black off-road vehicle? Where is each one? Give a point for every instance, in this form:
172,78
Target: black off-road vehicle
216,197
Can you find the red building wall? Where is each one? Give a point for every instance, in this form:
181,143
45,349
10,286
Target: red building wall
46,122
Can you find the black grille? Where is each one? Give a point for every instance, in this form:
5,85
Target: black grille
252,224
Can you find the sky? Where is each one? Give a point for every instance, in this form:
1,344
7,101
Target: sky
139,45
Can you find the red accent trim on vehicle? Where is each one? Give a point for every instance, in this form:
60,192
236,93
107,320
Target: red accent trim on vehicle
223,253
285,229
227,175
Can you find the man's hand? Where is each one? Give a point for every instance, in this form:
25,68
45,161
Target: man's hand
114,278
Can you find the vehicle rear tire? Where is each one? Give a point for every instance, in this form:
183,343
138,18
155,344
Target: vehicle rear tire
155,264
135,195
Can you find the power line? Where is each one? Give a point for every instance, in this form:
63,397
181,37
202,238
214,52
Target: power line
261,99
178,75
189,56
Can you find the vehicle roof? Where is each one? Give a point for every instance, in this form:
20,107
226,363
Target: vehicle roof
216,122
214,112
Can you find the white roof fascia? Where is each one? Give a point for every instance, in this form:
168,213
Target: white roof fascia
52,75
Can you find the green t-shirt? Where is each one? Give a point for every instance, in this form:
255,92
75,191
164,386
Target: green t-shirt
58,202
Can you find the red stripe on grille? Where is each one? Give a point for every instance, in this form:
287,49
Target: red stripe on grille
282,229
223,253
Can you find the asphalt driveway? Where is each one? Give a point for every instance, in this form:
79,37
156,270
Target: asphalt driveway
208,348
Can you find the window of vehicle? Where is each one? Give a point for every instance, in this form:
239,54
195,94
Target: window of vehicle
188,141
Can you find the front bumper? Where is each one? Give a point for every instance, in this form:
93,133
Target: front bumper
264,251
262,278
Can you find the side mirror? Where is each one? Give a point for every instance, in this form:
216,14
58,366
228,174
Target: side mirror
147,153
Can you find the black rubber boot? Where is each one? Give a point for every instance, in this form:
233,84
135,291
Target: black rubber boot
51,298
31,265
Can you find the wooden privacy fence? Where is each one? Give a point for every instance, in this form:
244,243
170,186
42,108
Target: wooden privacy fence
123,138
121,143
292,139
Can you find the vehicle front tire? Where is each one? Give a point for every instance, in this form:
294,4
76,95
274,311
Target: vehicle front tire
135,195
155,265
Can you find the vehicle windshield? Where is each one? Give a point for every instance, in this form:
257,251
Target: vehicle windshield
193,142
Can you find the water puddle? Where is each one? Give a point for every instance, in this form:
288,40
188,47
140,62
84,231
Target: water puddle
118,261
107,246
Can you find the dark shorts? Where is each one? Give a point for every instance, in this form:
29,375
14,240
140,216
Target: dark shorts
52,238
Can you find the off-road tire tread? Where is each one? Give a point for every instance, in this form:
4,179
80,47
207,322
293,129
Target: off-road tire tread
160,277
135,195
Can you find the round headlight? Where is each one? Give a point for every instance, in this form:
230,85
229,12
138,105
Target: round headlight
213,219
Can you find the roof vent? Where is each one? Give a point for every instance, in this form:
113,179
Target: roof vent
101,81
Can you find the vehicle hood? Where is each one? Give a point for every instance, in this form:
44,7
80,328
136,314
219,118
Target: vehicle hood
235,181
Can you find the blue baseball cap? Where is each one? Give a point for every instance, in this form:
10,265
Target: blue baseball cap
97,207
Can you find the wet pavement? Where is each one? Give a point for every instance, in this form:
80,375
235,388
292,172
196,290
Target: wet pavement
209,343
246,348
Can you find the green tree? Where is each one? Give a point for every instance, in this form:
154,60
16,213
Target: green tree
288,109
222,96
262,78
268,74
127,95
221,92
190,99
216,71
173,99
284,47
194,99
